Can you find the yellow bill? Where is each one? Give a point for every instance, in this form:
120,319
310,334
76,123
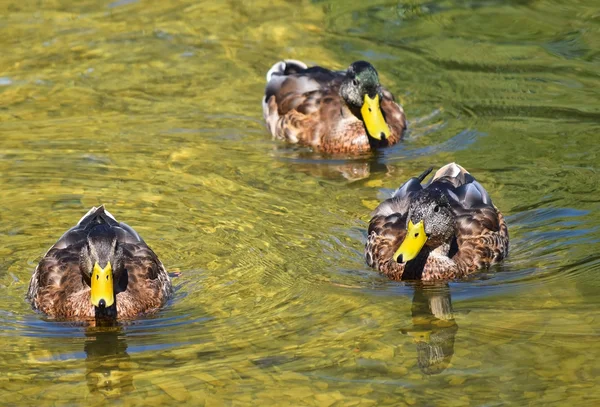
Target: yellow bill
373,118
102,285
412,244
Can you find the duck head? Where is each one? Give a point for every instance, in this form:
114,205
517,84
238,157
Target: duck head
101,264
361,91
430,223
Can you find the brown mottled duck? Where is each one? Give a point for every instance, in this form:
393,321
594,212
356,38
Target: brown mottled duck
331,111
448,229
99,269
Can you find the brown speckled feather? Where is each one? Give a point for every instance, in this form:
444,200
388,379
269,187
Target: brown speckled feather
58,287
305,107
480,238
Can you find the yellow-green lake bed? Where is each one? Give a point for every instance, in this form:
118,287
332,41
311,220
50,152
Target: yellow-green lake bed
153,108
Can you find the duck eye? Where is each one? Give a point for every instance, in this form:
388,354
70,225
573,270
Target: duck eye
436,209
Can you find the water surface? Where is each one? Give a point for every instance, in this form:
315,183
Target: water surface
153,108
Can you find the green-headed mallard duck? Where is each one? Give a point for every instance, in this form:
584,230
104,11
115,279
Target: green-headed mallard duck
331,111
448,229
99,269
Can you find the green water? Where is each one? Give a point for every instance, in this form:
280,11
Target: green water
154,109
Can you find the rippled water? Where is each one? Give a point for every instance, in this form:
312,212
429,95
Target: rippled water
153,108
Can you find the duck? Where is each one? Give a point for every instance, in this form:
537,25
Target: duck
100,269
447,229
332,112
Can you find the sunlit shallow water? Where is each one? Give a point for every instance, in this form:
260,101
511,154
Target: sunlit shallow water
153,108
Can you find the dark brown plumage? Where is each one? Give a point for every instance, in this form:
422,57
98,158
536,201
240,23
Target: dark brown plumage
321,109
465,231
60,285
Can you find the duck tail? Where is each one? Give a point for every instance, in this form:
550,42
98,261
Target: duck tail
452,170
453,174
96,216
424,174
286,67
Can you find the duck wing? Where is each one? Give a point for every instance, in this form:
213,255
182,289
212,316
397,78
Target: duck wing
481,231
290,80
95,217
301,104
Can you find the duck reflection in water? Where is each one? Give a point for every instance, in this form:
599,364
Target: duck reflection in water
107,368
348,168
433,326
